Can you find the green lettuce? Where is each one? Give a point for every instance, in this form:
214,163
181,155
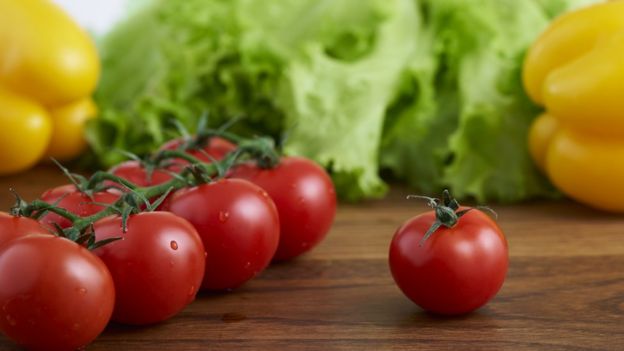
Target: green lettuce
428,90
461,116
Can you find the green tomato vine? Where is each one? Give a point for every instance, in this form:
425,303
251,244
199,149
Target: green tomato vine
134,198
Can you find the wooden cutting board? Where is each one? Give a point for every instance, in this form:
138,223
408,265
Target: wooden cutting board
564,289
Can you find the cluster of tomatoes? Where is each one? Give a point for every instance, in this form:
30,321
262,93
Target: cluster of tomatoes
143,266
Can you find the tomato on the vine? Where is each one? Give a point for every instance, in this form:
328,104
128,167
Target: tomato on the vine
157,266
451,260
71,199
215,149
55,294
238,224
305,199
136,173
12,227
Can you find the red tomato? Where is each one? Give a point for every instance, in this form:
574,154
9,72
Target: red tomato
157,266
12,227
456,270
305,199
217,148
134,172
238,224
55,294
75,202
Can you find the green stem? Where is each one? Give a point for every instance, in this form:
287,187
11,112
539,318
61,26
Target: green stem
84,222
165,154
158,190
39,205
260,148
100,176
229,137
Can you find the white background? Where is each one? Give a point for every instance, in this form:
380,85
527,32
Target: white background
97,16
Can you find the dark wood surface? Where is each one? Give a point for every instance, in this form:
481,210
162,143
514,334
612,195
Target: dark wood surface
564,290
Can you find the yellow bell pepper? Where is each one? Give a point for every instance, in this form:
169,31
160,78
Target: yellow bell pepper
48,66
69,120
25,130
576,70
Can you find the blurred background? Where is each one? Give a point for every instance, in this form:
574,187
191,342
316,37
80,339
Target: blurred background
97,16
431,94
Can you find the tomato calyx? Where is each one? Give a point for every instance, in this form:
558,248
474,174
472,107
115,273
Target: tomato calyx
265,155
261,149
20,205
34,210
150,163
80,182
201,139
447,212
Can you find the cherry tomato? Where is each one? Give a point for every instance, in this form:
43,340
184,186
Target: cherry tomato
305,199
217,148
12,227
457,269
76,202
157,266
55,294
238,224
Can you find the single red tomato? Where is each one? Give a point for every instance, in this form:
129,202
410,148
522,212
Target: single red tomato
136,173
238,224
305,199
12,227
456,270
76,202
217,148
55,295
157,266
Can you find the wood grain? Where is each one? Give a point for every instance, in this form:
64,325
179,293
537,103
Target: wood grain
564,290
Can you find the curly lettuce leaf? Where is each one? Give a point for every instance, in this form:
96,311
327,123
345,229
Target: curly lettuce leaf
335,107
467,122
427,89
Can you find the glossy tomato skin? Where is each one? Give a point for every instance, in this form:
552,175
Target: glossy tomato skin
456,270
134,172
305,199
217,148
238,224
12,227
157,266
55,295
76,202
